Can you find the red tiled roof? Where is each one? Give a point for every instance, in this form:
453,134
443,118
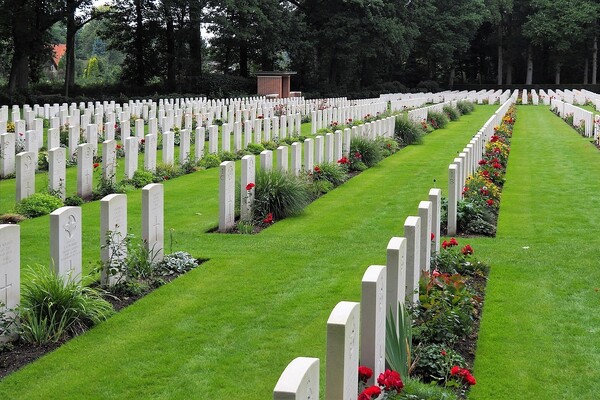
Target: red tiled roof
59,50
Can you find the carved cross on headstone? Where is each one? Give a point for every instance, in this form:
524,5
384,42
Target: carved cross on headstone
87,178
71,226
156,225
5,289
28,188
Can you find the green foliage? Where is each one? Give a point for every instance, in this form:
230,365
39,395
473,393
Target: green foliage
452,113
331,172
106,186
407,132
176,263
38,204
141,178
53,307
369,151
445,311
43,163
270,145
74,201
453,261
434,361
210,161
437,120
255,148
398,341
282,195
416,390
465,107
388,146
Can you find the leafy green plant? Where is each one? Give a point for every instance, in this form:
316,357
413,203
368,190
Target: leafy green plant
388,146
53,307
74,201
437,120
465,107
176,263
434,360
279,194
417,390
407,132
38,204
43,162
210,161
141,178
166,171
107,186
398,341
331,172
255,148
368,150
270,145
452,113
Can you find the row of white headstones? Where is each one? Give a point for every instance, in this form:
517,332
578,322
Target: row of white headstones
66,241
383,287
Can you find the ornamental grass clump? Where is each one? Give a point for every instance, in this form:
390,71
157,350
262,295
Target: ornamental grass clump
452,113
465,107
279,194
437,120
55,307
407,132
367,150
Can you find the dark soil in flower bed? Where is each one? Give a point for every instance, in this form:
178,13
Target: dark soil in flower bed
15,355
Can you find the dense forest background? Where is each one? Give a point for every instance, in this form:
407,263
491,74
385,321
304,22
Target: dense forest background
338,47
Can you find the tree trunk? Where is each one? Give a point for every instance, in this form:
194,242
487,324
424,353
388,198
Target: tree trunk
195,39
452,76
70,53
244,59
170,33
529,79
557,74
585,71
595,60
509,70
500,58
19,70
139,43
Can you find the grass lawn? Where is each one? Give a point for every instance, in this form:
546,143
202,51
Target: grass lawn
540,332
228,329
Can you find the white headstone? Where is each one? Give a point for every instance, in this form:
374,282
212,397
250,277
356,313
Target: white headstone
452,198
10,266
226,196
53,138
57,170
85,170
113,226
109,160
213,139
319,149
395,275
337,146
65,242
412,232
329,148
296,158
168,154
282,159
184,146
308,155
435,197
425,213
153,219
372,320
7,154
199,144
131,156
25,175
92,136
150,143
248,171
266,160
343,333
73,140
299,380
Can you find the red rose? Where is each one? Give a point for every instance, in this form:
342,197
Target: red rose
470,379
390,380
317,169
250,186
432,236
357,154
482,162
119,146
455,370
490,202
364,373
268,219
435,273
443,353
467,250
445,244
96,165
497,165
373,391
453,242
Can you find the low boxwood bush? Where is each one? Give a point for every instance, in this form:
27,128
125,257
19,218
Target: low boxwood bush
279,194
38,204
407,132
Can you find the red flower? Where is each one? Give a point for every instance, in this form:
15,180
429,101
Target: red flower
349,119
482,162
432,236
486,173
166,178
443,353
453,242
119,146
269,219
467,250
143,141
390,380
369,392
317,169
364,373
357,155
494,138
260,117
497,165
470,379
343,160
445,244
96,165
490,202
250,186
465,190
435,272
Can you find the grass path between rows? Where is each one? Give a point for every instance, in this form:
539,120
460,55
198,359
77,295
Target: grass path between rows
228,329
540,332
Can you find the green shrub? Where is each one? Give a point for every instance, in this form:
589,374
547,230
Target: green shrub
38,204
333,173
437,120
176,263
279,194
388,146
452,113
270,145
43,162
465,107
416,390
229,156
54,307
255,148
407,132
166,171
320,188
74,201
141,178
434,361
369,150
210,161
106,187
